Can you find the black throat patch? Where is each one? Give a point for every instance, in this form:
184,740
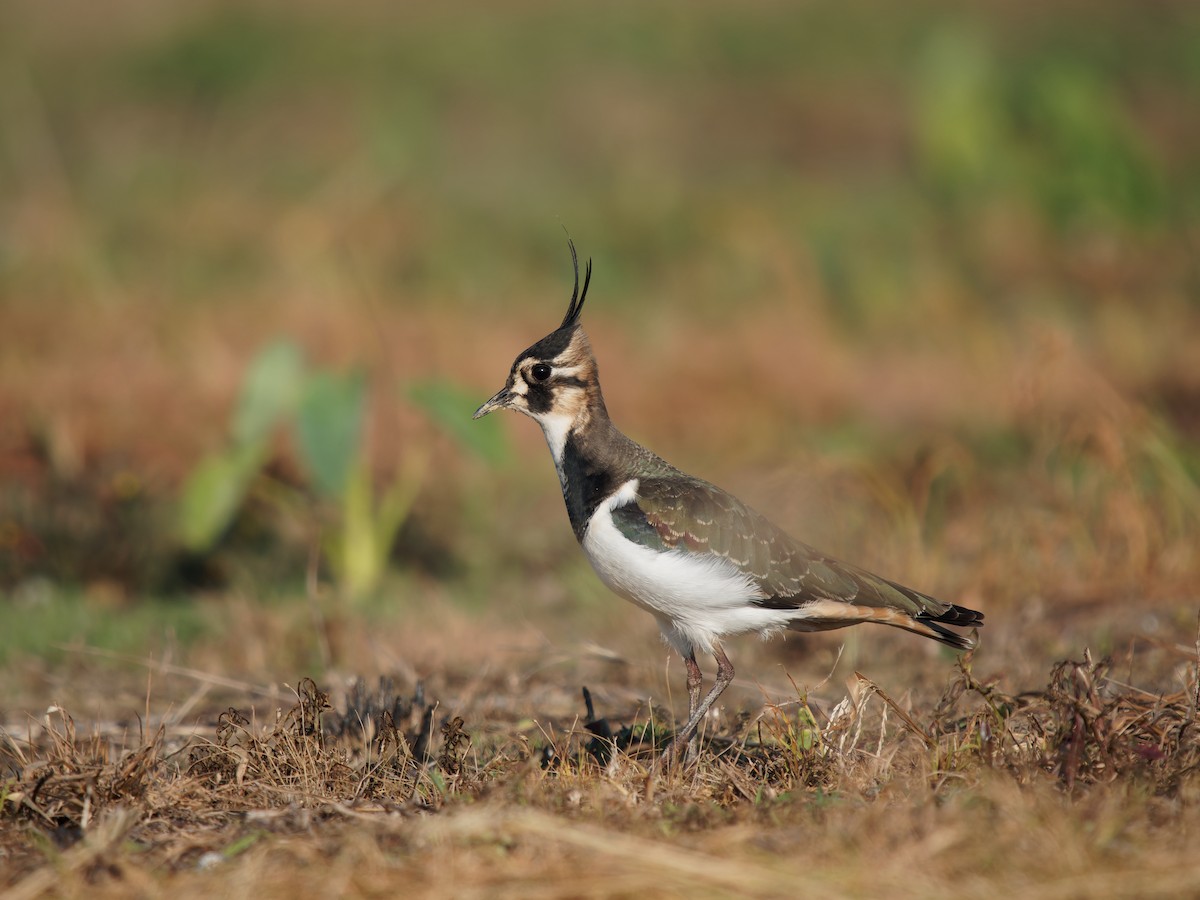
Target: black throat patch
585,483
539,398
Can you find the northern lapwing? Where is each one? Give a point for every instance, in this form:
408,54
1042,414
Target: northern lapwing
703,563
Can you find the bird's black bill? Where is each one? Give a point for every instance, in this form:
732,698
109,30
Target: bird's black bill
499,401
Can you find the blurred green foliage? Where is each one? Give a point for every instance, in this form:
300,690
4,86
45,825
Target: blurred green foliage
329,424
217,487
443,145
451,407
214,60
326,411
44,620
1053,133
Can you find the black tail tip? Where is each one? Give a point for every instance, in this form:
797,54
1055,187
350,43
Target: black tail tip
959,617
964,642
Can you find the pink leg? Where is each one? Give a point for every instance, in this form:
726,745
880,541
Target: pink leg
683,740
695,679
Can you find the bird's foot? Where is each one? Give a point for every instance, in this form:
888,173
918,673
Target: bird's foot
677,756
682,752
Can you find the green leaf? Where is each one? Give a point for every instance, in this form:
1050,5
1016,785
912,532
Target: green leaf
961,136
357,559
398,499
329,428
214,492
450,407
269,392
358,550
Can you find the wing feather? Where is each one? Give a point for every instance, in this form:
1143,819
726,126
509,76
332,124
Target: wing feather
698,517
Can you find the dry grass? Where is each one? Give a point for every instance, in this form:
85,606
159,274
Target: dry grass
1087,786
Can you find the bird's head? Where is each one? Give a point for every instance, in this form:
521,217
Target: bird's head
553,381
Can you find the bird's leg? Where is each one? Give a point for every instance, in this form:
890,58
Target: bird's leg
724,677
695,681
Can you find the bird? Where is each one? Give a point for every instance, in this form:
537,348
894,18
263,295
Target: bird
702,562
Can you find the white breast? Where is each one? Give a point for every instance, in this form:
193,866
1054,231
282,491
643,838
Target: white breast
696,597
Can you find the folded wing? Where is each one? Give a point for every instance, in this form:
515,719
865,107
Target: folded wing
696,517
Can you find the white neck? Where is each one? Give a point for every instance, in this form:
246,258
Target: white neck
556,428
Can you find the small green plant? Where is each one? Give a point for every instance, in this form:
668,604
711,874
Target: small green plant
326,411
215,490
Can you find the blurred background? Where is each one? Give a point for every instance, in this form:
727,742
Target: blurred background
919,281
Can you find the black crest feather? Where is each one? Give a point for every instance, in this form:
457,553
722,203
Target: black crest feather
577,296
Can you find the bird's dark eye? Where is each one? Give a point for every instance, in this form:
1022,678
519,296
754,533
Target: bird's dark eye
540,372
